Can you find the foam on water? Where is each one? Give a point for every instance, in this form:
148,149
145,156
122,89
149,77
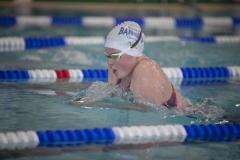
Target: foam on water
31,58
100,92
204,109
72,57
96,92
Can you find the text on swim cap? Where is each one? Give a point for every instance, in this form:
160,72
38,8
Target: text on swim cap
129,32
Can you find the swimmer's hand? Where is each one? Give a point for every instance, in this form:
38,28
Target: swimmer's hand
81,101
96,92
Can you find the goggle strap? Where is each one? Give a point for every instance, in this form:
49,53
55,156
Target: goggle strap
137,41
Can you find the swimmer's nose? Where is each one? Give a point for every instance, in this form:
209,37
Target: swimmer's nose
111,69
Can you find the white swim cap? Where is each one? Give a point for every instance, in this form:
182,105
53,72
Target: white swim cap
127,37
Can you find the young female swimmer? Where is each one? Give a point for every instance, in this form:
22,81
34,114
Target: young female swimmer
132,71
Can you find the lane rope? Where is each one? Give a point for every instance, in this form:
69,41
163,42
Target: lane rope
120,135
148,22
78,75
26,43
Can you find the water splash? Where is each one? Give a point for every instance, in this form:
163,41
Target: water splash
96,92
72,57
203,109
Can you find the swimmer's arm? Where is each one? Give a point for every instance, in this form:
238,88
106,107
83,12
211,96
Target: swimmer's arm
137,106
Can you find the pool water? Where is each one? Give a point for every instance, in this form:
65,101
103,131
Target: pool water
42,106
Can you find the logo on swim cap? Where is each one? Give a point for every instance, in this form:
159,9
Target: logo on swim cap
130,32
124,35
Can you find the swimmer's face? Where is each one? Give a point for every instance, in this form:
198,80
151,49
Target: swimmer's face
119,67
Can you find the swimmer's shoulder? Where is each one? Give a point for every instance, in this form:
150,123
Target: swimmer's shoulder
145,65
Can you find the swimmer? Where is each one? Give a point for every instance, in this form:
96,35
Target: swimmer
133,71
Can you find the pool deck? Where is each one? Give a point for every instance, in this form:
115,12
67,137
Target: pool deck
124,6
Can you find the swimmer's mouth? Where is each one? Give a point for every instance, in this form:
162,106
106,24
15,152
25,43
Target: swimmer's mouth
119,80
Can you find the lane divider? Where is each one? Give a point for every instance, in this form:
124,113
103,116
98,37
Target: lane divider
79,75
25,43
148,22
120,135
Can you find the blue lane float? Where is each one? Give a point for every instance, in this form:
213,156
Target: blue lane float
140,21
95,74
236,20
79,75
59,138
208,72
213,132
8,21
156,22
189,22
32,43
120,135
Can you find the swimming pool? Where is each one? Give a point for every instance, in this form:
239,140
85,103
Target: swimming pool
42,106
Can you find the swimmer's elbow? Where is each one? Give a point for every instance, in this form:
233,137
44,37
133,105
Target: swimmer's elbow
182,101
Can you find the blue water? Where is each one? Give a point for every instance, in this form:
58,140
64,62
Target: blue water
42,106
